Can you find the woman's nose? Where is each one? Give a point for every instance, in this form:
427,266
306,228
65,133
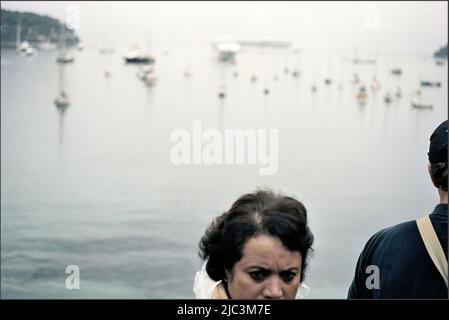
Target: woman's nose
273,289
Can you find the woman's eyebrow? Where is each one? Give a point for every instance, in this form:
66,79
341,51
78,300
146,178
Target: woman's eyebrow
259,268
292,269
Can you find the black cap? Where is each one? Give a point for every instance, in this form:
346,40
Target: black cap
438,144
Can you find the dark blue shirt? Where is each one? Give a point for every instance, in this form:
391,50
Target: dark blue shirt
406,270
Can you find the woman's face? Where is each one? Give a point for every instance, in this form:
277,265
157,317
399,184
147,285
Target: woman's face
267,270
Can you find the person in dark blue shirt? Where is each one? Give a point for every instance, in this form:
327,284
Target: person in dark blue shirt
395,263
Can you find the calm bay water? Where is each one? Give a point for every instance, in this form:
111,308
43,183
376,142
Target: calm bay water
94,186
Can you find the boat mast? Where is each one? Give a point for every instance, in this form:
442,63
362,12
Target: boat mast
18,31
62,54
62,39
61,77
376,60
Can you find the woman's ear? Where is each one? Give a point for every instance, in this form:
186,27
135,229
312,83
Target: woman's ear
228,276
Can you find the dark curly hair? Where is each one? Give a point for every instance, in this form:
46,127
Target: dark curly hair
253,214
439,174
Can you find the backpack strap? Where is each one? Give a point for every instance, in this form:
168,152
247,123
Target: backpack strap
433,245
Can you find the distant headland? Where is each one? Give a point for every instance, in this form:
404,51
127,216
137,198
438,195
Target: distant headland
441,53
34,28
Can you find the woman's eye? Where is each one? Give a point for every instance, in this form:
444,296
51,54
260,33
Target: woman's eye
287,276
258,275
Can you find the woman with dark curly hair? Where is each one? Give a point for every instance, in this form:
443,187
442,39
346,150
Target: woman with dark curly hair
258,249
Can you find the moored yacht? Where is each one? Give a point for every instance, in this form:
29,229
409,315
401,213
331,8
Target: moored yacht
139,55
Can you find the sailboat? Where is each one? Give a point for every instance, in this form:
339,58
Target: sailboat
362,96
421,105
328,79
342,72
375,84
355,72
147,75
106,47
18,37
398,92
222,87
418,103
62,100
253,78
396,71
63,57
24,46
295,72
139,54
388,98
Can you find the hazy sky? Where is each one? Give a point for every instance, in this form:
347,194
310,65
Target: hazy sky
390,27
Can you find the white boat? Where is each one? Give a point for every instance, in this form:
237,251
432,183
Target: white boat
23,46
62,100
388,98
421,105
363,61
375,84
267,42
46,45
63,56
253,78
106,50
418,104
139,55
227,51
147,75
222,92
427,83
29,51
26,48
150,79
362,96
396,71
144,71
